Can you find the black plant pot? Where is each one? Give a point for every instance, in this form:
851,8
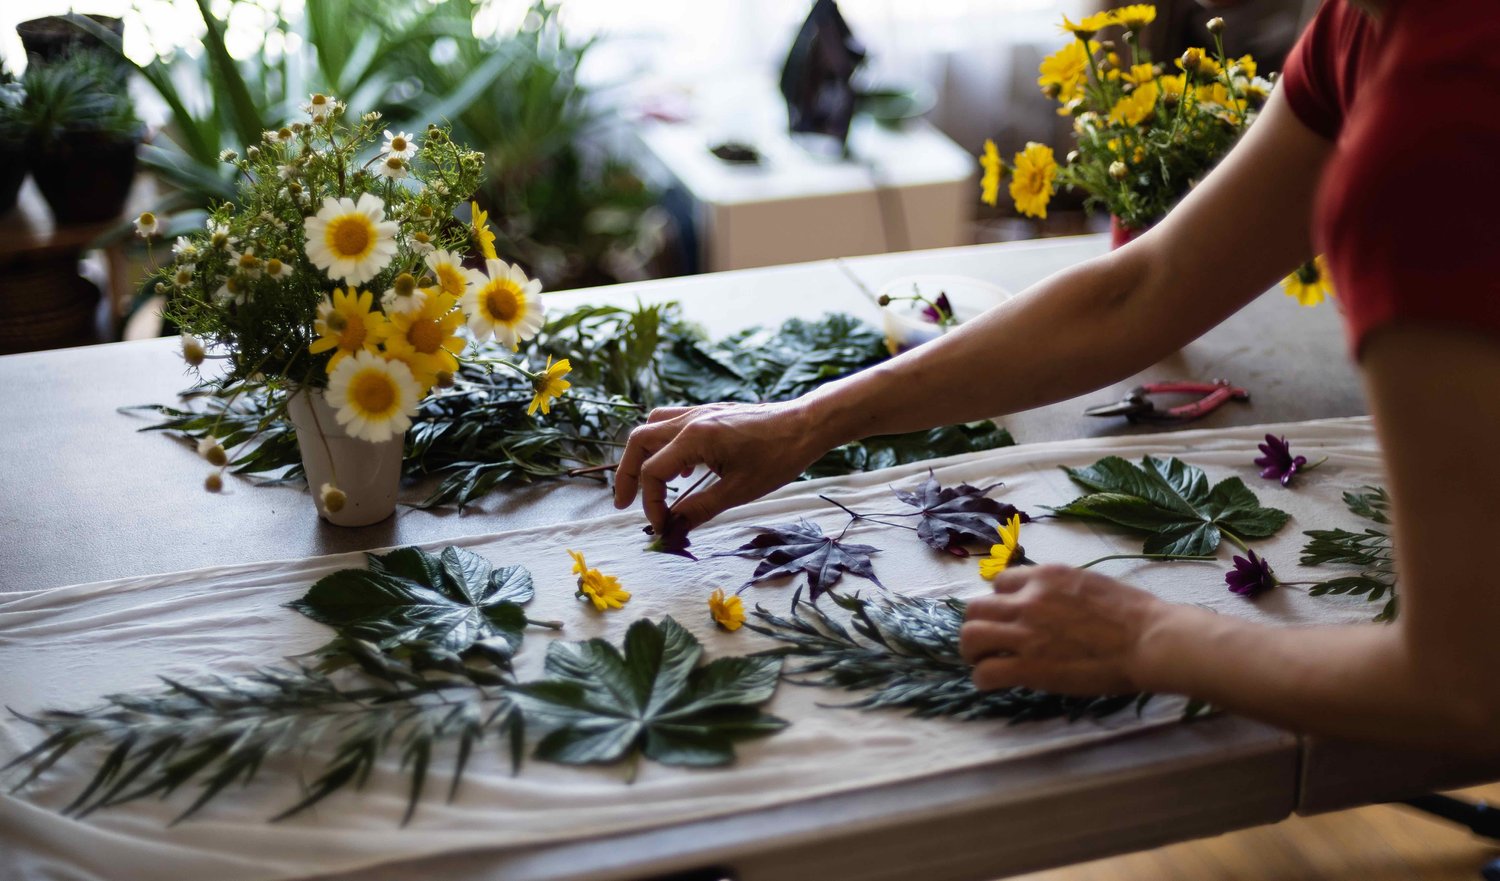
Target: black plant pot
85,176
12,172
53,38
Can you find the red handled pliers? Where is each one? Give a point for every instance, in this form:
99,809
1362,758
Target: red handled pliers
1138,406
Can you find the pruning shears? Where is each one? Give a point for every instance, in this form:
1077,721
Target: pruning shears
1137,405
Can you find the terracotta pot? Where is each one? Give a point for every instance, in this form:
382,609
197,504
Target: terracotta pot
1120,235
368,473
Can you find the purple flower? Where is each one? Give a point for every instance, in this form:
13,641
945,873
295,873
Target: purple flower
940,311
1277,463
1251,576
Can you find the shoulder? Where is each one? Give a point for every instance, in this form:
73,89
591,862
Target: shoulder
1326,64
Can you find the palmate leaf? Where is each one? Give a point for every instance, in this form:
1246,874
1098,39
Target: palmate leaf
433,607
654,699
903,651
1172,502
801,547
953,516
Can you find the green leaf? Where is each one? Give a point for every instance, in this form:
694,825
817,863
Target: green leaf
431,606
654,699
1172,502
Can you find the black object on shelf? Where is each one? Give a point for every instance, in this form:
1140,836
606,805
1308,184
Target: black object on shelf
736,153
816,79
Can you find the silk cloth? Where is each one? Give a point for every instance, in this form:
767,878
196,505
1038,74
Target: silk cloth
65,647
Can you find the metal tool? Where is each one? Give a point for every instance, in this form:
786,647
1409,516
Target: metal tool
1138,406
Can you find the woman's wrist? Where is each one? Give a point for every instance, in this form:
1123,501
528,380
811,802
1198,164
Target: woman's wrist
838,413
1164,658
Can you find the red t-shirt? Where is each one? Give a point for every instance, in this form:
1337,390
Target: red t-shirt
1408,210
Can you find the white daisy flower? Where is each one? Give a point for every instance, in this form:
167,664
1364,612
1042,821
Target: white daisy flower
448,268
233,290
374,399
219,237
506,304
286,171
183,276
276,270
421,242
393,167
318,105
399,145
192,350
184,249
228,156
404,296
372,116
245,262
146,225
351,241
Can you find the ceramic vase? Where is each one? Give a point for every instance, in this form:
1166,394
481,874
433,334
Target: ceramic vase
369,474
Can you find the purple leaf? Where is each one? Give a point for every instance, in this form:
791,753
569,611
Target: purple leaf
802,547
673,540
957,515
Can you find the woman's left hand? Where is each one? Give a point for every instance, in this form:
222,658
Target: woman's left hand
1057,629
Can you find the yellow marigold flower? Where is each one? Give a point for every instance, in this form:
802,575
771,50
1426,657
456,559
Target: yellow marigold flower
989,185
1008,551
480,232
1133,17
426,339
1136,106
1172,87
1140,74
346,325
1089,26
1246,64
1067,69
549,384
727,611
602,590
1031,182
1310,283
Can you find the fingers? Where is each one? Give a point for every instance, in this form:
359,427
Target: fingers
998,672
709,502
1012,580
679,457
643,443
978,640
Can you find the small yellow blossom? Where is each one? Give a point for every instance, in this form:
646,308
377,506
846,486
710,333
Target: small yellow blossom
602,590
1133,17
480,232
1140,74
346,324
1088,26
727,611
1031,182
1136,106
1310,283
1067,70
1005,553
989,185
549,384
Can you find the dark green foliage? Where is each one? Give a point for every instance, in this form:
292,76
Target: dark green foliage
1171,502
653,700
904,651
78,94
1370,551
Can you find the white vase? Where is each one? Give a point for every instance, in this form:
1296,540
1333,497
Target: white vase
369,474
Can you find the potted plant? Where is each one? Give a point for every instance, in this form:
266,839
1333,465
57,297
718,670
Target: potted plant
1146,132
82,135
55,37
12,140
335,285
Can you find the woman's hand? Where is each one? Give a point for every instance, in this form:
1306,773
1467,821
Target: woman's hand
753,448
1057,629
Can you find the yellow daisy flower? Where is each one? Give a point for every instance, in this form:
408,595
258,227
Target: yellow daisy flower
1066,70
480,232
1133,17
1172,87
1139,74
1136,106
602,590
1246,64
1310,283
426,338
727,611
504,303
448,268
989,185
1031,180
349,240
346,325
1089,26
1008,551
374,399
549,384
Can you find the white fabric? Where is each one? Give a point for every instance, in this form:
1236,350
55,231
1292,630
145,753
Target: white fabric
68,645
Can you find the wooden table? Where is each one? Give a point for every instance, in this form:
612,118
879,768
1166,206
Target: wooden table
86,498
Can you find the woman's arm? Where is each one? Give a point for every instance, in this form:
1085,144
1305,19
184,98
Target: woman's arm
1429,679
1233,237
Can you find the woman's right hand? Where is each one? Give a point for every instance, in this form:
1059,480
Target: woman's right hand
753,448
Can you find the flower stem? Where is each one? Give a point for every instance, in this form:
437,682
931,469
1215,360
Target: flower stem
1170,558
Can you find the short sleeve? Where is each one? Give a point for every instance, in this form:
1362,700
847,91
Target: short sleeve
1308,77
1409,229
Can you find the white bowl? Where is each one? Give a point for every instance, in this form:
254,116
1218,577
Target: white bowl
905,326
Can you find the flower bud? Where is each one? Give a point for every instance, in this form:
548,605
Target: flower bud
1072,156
214,454
1216,25
1118,170
333,498
885,300
1107,45
1192,59
252,153
426,281
192,350
213,482
1052,90
425,212
445,379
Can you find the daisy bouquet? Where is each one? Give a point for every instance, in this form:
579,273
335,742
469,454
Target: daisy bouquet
344,270
1146,132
